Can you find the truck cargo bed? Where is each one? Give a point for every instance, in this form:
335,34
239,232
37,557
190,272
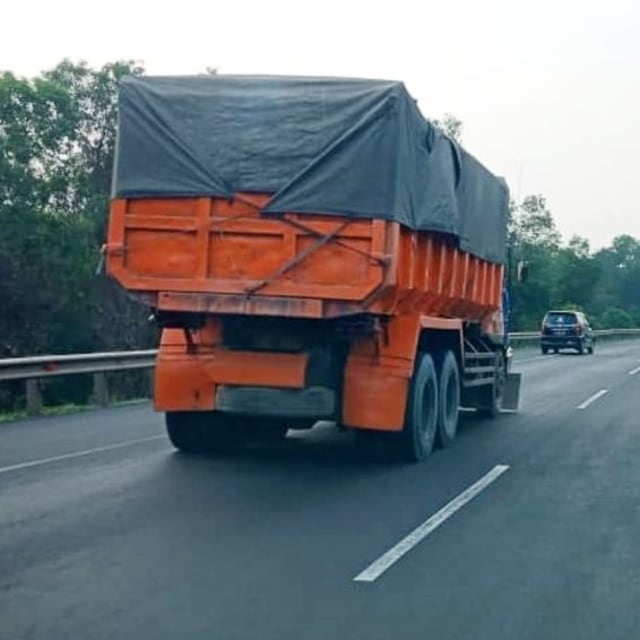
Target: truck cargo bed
219,255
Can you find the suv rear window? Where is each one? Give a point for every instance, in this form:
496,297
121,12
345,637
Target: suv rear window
561,318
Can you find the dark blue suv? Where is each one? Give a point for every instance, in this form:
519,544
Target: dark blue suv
566,330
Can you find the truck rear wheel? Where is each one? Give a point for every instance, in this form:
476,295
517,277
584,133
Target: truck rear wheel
262,430
203,432
187,430
419,433
448,399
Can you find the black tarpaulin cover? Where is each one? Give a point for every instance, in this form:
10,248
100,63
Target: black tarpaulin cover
357,148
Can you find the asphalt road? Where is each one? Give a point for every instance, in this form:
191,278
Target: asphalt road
106,532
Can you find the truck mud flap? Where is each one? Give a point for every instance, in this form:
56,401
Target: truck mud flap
511,395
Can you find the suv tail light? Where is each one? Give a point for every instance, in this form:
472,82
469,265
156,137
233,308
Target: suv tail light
579,329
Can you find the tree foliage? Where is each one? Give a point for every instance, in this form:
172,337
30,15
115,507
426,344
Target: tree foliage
57,137
606,285
450,125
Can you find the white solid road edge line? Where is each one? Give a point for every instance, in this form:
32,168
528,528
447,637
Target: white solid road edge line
593,398
379,566
77,454
634,371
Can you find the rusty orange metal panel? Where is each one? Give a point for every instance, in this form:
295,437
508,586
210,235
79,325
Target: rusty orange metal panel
160,255
223,366
377,376
161,207
449,324
181,384
302,226
255,368
398,339
244,258
374,399
333,264
458,285
187,382
224,250
229,286
203,238
116,233
400,367
484,298
379,239
156,223
205,339
286,307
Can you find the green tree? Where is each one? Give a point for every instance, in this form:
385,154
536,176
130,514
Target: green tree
534,239
450,125
533,224
619,281
577,274
615,318
57,136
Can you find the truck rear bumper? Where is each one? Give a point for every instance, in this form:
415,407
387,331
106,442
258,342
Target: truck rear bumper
312,402
359,378
185,382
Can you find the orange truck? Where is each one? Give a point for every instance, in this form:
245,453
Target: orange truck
313,249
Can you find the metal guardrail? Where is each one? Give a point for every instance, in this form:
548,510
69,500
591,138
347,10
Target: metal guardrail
526,336
63,365
33,369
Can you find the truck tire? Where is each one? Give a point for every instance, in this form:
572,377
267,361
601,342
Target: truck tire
263,431
489,397
448,399
419,433
187,430
197,432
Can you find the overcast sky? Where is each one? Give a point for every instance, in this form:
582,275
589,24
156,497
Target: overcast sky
549,91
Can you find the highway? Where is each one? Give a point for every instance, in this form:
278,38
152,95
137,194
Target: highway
106,532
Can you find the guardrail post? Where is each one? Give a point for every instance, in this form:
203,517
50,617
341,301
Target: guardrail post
100,389
34,397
